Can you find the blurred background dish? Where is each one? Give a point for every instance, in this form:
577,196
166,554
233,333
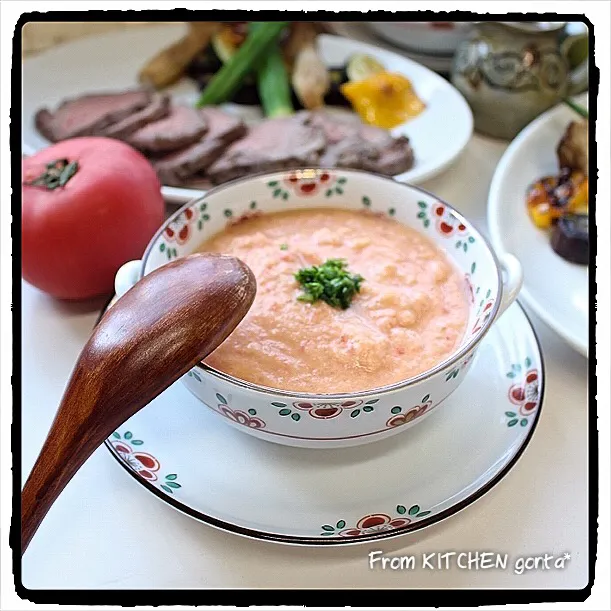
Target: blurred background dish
438,38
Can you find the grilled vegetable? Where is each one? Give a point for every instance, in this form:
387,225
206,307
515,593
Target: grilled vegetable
310,78
570,238
273,82
170,64
573,148
552,197
384,99
228,79
361,67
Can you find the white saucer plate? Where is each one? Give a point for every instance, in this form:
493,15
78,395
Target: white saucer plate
111,62
556,290
189,458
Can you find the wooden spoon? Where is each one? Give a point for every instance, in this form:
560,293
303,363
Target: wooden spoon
167,323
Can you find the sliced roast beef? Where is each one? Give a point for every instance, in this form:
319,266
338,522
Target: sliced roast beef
275,144
157,109
352,144
88,115
181,127
223,129
395,157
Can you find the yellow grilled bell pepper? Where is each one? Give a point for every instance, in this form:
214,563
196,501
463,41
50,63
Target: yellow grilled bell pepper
384,99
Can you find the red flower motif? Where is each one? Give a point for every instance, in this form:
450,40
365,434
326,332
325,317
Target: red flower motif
308,186
142,463
374,523
526,394
412,414
180,229
324,411
447,224
241,417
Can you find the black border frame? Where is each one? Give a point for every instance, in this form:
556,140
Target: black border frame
267,596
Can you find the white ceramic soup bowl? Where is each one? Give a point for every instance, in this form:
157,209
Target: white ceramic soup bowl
343,419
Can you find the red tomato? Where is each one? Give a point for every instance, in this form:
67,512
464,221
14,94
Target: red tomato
76,236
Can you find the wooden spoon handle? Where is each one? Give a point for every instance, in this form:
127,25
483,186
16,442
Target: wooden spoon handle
169,321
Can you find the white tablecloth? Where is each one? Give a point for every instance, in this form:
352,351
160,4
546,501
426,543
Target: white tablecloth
107,532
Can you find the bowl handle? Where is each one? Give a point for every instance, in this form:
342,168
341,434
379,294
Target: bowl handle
512,281
127,276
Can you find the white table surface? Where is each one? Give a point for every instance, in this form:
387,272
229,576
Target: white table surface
106,532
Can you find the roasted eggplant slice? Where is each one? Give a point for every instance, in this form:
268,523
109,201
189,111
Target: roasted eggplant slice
570,238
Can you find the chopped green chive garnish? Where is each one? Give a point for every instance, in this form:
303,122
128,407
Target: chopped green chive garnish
331,282
284,246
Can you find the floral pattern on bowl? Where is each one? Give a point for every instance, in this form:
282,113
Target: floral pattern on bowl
338,419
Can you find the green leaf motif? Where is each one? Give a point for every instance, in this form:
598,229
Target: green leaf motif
342,180
421,215
422,514
427,222
278,404
464,247
128,435
473,267
366,201
197,376
371,401
221,399
328,527
355,413
329,193
116,435
253,205
285,195
401,509
340,524
173,485
471,239
272,183
326,534
422,204
488,292
510,414
528,362
426,398
391,211
162,247
512,422
395,410
206,217
413,510
171,476
523,422
284,412
511,374
368,408
137,442
200,224
203,206
458,244
167,489
252,412
228,213
339,190
296,417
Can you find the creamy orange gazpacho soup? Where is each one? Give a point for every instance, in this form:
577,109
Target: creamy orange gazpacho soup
410,313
